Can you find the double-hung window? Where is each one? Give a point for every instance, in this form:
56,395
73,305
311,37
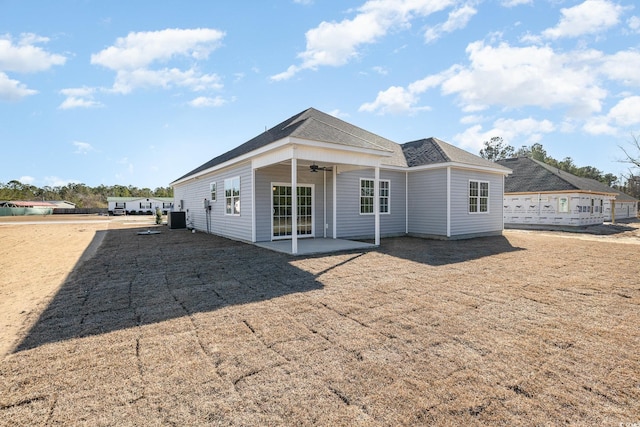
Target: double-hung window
212,190
232,195
478,197
367,193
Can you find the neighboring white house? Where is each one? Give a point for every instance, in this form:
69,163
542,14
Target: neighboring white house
537,194
349,183
139,205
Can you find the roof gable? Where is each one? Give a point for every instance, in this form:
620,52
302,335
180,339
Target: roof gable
433,151
314,125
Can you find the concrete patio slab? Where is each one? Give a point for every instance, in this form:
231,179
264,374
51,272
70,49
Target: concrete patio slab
316,246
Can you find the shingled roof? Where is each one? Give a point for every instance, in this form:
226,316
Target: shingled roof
530,176
315,125
432,151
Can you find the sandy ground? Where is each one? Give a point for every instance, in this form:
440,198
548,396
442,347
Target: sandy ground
101,326
37,253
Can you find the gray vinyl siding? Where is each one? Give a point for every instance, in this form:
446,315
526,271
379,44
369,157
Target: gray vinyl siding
282,174
351,223
193,193
465,223
428,202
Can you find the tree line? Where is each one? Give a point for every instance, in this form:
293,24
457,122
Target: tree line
497,149
82,195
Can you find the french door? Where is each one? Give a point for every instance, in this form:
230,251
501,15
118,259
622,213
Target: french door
282,211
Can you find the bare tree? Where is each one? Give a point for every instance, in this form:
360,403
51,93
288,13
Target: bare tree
633,154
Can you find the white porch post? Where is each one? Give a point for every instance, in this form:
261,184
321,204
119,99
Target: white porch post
376,204
253,205
335,202
324,203
294,205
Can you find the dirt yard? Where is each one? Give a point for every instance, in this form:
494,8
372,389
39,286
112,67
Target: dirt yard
102,326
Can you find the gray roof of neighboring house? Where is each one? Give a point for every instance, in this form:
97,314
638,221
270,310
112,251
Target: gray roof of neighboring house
432,151
315,125
530,176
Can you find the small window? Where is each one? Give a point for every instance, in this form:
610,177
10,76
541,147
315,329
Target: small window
367,192
366,196
478,197
563,204
232,196
384,196
212,190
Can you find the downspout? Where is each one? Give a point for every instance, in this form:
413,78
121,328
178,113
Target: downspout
406,202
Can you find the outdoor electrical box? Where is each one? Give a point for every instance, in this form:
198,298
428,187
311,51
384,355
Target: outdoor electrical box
177,219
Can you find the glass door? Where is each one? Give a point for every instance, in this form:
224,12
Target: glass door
282,210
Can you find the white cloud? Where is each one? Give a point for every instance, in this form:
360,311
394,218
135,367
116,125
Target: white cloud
82,147
25,57
380,70
129,80
626,112
339,114
27,179
510,77
336,43
471,119
623,66
514,132
590,17
13,90
513,3
54,181
398,100
133,58
203,101
395,100
79,98
458,19
139,50
634,24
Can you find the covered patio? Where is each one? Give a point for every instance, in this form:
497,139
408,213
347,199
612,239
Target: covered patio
315,246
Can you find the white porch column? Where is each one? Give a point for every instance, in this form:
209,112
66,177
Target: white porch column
294,205
376,204
335,202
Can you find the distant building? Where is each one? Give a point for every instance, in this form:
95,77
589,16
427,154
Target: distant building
25,207
537,194
138,205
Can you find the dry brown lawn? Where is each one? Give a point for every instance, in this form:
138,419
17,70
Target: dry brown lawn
532,328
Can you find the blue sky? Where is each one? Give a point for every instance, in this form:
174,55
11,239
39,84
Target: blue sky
139,93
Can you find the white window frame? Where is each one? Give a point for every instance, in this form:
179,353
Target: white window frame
146,205
383,197
212,190
478,197
232,200
563,204
380,189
